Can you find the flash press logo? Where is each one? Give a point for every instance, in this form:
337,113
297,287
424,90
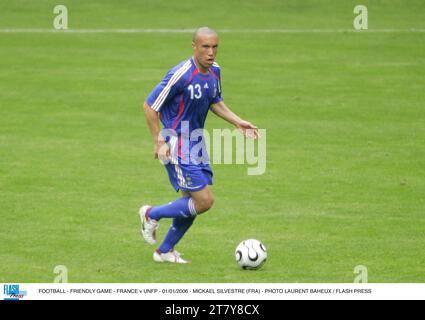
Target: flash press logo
12,292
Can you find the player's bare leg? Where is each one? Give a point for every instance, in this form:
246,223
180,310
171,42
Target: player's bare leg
203,199
185,193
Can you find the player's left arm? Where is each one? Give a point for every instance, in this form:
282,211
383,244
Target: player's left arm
245,127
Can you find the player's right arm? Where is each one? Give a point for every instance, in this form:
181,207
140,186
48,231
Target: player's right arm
161,149
164,92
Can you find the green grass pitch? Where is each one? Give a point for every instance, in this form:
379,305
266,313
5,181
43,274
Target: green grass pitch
345,120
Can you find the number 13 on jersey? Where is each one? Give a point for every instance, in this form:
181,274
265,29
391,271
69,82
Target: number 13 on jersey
195,91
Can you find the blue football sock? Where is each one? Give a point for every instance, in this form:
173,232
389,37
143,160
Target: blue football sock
177,230
181,208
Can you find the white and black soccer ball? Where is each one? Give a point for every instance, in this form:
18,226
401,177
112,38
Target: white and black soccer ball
251,254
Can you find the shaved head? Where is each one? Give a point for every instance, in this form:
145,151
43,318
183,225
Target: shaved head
205,45
203,31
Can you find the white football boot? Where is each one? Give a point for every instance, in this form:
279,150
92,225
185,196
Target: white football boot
149,226
172,256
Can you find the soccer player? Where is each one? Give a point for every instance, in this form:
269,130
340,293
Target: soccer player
182,101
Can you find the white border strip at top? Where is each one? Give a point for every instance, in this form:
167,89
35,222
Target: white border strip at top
246,31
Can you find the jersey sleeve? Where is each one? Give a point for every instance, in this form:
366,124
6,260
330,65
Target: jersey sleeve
165,90
218,97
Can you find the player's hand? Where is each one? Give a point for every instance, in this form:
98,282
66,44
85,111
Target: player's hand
248,129
162,150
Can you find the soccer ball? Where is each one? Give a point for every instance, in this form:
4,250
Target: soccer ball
251,254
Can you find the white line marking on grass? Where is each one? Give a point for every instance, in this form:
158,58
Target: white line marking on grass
244,31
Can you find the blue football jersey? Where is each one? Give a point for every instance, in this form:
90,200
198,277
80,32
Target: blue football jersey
183,99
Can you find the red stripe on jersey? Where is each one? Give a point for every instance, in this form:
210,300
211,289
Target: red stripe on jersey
194,73
180,147
212,72
176,121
